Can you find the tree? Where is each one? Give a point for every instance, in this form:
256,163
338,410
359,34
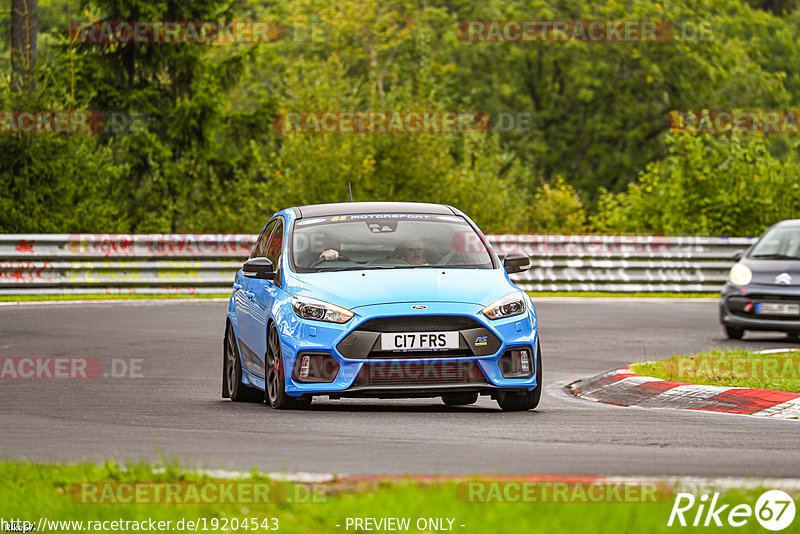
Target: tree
24,37
181,87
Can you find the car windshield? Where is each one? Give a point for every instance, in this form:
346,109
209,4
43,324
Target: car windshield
778,244
386,241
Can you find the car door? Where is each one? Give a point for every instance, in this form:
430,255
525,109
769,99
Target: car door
260,295
250,337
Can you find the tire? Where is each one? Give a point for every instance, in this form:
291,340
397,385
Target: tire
519,402
734,333
232,386
460,399
275,380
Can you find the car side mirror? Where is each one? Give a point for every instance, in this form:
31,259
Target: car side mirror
260,268
738,255
516,262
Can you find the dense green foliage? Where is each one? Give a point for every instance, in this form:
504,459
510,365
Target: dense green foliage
595,156
717,186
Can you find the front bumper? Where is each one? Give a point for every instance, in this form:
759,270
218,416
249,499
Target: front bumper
364,371
734,299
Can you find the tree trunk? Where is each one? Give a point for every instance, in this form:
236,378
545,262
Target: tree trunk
24,32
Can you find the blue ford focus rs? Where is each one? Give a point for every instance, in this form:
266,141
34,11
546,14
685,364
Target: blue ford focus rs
383,300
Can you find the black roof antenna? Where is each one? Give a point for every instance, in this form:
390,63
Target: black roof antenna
350,188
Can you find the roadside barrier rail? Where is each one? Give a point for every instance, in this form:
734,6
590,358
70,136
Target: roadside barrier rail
206,263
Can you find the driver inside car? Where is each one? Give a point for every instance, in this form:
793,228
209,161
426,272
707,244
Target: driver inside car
319,248
330,249
411,252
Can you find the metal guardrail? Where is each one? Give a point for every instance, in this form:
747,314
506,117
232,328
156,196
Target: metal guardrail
206,263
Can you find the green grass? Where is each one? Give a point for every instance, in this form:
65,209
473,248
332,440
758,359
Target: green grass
30,491
729,368
104,296
637,294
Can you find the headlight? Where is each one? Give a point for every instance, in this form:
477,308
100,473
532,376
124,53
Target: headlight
508,306
741,275
317,310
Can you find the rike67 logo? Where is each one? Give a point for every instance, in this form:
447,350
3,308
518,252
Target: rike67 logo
774,510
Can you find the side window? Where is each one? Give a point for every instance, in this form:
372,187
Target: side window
261,242
275,245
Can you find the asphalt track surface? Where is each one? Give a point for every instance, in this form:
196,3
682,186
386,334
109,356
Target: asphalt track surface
175,411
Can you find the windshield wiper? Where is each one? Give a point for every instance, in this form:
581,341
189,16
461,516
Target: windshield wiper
354,268
774,257
410,267
390,267
334,269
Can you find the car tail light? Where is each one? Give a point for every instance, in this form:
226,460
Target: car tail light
516,363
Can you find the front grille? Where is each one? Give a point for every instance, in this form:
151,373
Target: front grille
474,338
419,323
420,354
413,374
737,303
770,298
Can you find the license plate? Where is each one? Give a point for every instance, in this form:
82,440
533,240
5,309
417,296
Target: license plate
419,340
773,308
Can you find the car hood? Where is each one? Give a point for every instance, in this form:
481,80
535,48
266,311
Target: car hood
765,271
352,289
